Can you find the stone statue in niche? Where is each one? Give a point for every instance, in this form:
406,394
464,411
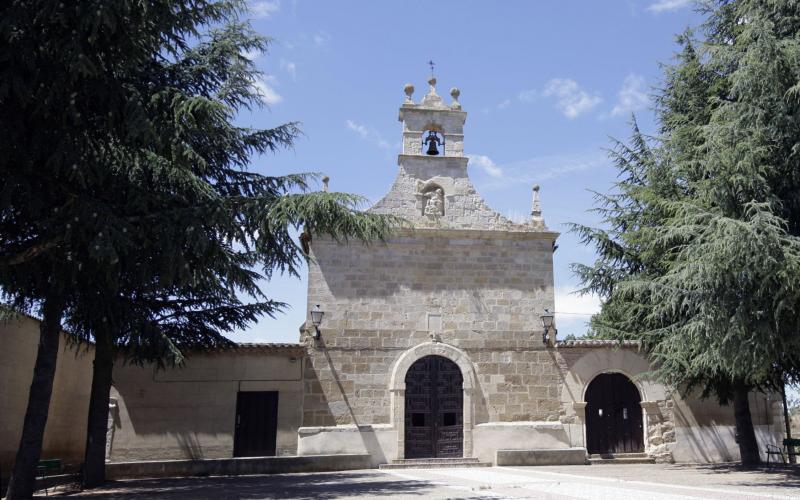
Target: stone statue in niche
434,204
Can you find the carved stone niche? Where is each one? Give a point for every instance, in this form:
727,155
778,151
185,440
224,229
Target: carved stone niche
432,196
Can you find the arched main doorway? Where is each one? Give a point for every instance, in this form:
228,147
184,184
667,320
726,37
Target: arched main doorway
434,413
613,415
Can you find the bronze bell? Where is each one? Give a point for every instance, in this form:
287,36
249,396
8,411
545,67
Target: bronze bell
432,141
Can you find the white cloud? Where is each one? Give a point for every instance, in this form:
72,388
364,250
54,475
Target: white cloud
543,168
289,67
573,311
264,9
569,302
252,54
504,104
571,99
266,91
358,128
529,95
320,38
631,97
367,133
487,165
668,5
568,164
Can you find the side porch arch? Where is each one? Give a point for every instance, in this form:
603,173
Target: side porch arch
610,360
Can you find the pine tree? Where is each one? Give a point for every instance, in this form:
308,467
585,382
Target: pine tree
128,212
701,261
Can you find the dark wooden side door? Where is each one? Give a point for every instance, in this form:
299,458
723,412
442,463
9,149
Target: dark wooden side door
256,424
613,416
434,413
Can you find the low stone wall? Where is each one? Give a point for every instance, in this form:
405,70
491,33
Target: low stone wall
492,437
236,466
567,456
377,441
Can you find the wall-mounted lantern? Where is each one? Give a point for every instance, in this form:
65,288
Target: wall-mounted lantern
547,323
316,320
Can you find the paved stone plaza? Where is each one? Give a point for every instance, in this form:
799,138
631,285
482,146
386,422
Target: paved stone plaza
601,482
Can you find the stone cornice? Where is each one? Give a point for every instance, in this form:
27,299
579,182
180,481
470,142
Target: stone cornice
439,110
463,160
500,233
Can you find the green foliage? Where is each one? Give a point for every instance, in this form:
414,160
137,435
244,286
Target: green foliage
128,211
127,188
700,257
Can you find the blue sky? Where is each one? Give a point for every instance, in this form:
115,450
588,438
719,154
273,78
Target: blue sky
545,85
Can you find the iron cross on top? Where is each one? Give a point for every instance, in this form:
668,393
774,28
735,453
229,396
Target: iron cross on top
431,64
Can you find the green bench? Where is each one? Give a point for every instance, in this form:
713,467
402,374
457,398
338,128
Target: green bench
789,445
43,467
48,466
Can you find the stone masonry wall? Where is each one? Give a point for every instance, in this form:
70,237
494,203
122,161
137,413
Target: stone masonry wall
480,294
661,431
463,206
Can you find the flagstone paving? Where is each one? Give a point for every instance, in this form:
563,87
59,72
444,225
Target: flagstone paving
601,482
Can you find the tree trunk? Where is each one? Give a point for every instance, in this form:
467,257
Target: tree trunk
787,421
745,434
94,466
23,475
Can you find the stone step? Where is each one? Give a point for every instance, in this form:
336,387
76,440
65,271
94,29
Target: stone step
619,455
622,458
432,460
434,463
435,466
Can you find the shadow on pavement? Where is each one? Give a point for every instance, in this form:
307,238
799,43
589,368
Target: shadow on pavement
302,486
782,476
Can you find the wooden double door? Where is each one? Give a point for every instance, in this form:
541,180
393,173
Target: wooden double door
434,412
256,424
613,416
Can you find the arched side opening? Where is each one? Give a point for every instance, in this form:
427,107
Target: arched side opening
613,415
434,409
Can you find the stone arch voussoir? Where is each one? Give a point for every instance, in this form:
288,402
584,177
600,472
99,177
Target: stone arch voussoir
408,358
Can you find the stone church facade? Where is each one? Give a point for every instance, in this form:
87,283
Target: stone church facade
431,346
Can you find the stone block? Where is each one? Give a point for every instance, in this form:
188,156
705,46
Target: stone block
564,456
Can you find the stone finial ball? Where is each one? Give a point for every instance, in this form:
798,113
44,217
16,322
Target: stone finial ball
408,89
432,81
535,187
454,93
